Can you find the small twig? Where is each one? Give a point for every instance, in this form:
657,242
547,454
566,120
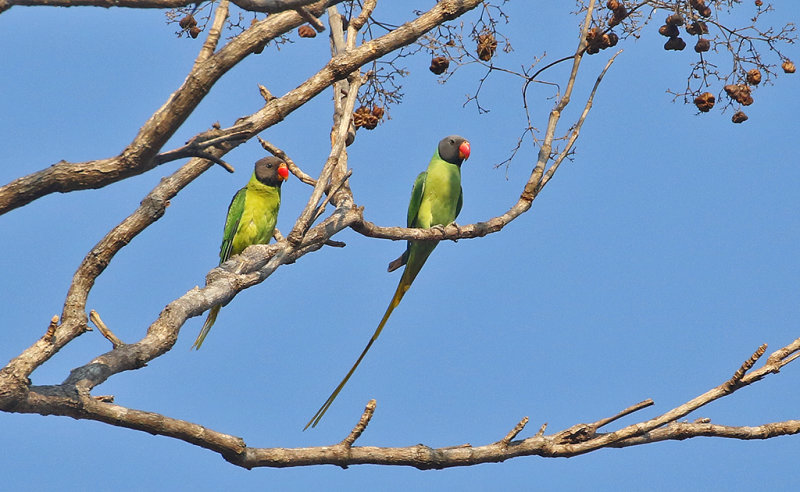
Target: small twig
194,149
309,17
210,44
294,168
541,430
335,244
321,208
514,432
633,408
95,318
265,93
748,364
369,411
51,329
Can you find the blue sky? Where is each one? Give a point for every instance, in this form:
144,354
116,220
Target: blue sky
650,267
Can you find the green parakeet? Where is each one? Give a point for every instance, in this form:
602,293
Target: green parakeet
435,200
252,216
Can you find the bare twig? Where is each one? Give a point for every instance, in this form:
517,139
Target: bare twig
294,168
514,432
369,411
51,329
95,318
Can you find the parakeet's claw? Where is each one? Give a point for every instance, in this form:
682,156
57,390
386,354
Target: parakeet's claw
438,227
458,229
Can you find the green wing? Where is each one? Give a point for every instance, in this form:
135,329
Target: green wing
235,211
416,199
460,201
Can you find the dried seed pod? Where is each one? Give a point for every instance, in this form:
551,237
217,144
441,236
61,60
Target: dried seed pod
194,31
754,76
618,12
187,22
363,118
697,28
610,39
705,12
306,31
675,44
702,45
439,65
377,112
759,3
487,45
739,117
739,93
674,20
697,4
705,102
788,66
668,30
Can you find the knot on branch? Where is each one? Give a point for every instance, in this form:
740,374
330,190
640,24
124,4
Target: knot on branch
577,434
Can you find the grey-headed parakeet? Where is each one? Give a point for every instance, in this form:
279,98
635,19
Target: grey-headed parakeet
252,216
435,200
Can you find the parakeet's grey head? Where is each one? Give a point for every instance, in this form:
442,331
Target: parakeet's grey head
271,171
454,149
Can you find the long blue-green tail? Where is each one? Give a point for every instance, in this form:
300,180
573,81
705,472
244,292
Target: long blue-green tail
212,317
402,287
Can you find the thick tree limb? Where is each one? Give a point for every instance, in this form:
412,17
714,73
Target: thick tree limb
139,156
267,6
576,440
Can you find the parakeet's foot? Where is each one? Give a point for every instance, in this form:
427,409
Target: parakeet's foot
438,227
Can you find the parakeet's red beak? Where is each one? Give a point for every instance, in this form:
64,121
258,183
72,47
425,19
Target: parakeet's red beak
463,150
283,171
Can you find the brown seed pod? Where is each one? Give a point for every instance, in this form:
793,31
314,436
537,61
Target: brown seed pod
668,30
618,12
194,31
487,45
439,65
702,45
377,112
363,118
739,117
593,35
697,4
674,20
759,3
754,76
705,11
697,28
739,93
610,39
675,44
788,66
306,31
705,102
187,22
